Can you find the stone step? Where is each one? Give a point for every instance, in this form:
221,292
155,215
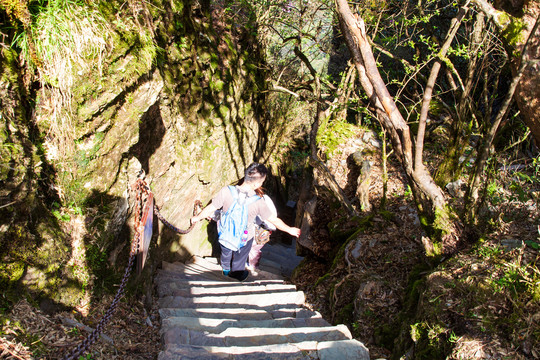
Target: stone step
210,263
282,257
194,269
186,289
270,264
266,273
266,352
344,349
206,315
217,326
173,276
252,301
210,260
218,288
281,251
240,313
284,271
192,276
275,311
214,313
285,251
255,336
324,350
271,267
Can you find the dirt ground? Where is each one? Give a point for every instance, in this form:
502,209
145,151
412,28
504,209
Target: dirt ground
487,308
132,333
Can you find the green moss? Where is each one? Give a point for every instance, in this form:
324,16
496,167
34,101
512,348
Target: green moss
437,228
217,85
224,112
343,229
386,334
416,284
322,279
430,340
345,315
8,61
10,273
387,215
515,33
334,134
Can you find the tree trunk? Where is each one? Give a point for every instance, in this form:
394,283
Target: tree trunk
464,118
436,217
527,93
472,199
314,159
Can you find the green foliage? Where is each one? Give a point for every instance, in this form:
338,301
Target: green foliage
345,315
461,50
533,244
335,133
89,149
518,186
18,331
494,193
534,176
431,340
63,31
488,252
512,280
518,191
514,32
408,192
62,217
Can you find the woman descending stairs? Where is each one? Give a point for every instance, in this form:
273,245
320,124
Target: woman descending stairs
206,315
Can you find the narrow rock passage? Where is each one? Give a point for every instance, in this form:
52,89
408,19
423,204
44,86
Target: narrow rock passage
205,315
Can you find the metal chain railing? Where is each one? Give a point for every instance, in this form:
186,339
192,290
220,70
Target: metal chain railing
141,189
196,208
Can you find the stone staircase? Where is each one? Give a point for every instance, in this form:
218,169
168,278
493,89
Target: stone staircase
206,315
279,259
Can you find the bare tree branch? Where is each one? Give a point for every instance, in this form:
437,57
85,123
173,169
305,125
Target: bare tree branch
456,22
474,185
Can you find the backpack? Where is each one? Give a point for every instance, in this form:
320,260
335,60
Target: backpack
234,222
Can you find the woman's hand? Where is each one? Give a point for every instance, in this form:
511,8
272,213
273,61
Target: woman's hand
204,214
294,231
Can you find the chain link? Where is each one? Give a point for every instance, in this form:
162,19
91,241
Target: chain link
140,188
196,208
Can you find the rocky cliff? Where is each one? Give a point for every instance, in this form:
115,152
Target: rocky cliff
175,94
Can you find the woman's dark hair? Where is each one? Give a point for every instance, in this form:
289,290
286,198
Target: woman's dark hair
254,172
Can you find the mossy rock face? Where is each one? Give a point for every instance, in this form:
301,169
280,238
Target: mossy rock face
37,266
10,273
32,245
189,122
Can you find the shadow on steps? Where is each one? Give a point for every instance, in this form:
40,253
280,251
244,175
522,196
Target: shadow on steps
205,315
